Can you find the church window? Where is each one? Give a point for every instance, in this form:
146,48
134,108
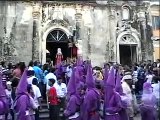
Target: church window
125,13
57,36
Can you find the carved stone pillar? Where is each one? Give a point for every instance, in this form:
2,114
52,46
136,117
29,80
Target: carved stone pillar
78,37
35,40
142,21
112,32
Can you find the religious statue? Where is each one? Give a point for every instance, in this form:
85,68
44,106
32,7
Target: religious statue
59,56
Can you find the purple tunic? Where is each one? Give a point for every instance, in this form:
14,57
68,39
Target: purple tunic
124,100
147,108
22,107
80,73
123,113
114,106
91,105
73,108
1,107
4,106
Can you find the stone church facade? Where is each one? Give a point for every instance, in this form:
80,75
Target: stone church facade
116,31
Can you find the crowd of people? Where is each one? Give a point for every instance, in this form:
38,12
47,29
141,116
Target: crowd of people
80,91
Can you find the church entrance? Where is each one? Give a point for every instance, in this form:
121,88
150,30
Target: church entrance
128,54
58,39
128,48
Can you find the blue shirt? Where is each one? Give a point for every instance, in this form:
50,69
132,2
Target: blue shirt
38,73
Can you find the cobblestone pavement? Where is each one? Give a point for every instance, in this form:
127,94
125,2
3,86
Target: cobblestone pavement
137,117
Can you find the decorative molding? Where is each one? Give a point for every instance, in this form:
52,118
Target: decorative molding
36,10
78,8
78,17
43,13
102,2
128,39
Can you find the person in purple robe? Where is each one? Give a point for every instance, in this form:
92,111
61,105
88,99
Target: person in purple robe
105,74
59,70
122,113
4,106
72,111
148,105
23,103
80,70
71,84
91,103
112,98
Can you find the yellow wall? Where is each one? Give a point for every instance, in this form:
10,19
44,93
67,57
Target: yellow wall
156,33
156,53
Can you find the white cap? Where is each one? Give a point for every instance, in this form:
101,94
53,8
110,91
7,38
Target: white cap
9,83
30,68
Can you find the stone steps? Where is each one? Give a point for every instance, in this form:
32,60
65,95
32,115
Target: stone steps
44,116
44,112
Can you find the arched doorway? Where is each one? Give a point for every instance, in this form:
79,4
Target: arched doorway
58,39
128,48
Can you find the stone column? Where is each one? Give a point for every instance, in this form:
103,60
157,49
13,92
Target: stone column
142,24
78,17
112,32
35,40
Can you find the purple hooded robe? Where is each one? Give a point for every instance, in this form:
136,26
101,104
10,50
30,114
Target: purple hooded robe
122,113
147,108
80,70
22,103
59,70
91,103
112,98
72,111
4,106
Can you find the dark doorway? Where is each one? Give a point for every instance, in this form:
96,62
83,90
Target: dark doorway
58,39
52,48
128,54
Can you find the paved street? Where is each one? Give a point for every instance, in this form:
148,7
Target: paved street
138,117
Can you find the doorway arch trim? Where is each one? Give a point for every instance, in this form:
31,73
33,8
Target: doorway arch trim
45,34
136,42
65,30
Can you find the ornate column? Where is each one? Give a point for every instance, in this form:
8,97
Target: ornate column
35,40
142,24
78,37
112,32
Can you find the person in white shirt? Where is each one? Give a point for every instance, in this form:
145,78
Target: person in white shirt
156,87
50,75
33,107
37,97
68,72
61,90
126,81
9,98
149,77
30,75
135,74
